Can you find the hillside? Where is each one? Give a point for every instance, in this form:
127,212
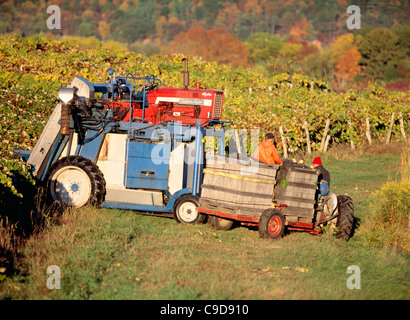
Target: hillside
165,19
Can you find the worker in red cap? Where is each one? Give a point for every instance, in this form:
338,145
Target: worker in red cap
266,151
323,178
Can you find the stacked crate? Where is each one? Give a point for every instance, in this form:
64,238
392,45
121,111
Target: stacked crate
299,192
235,188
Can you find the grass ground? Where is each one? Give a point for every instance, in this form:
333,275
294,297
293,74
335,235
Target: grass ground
114,254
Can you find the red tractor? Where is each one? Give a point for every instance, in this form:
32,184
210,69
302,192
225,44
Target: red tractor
150,103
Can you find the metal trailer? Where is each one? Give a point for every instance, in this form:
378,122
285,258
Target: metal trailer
274,198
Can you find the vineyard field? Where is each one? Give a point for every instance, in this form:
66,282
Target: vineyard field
114,254
34,68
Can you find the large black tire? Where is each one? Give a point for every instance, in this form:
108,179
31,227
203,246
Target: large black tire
185,210
220,223
271,224
75,181
344,224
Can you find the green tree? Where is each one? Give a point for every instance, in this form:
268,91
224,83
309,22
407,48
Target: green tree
403,33
291,50
380,54
263,46
318,65
7,13
85,29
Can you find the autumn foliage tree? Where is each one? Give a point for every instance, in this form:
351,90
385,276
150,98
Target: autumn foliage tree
302,29
347,65
212,45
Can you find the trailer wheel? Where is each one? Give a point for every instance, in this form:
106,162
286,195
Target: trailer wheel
344,224
220,223
75,181
185,210
271,224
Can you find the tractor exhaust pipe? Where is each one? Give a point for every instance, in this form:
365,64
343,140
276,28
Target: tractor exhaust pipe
186,73
67,96
65,119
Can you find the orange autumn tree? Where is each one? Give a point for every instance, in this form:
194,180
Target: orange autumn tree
347,65
212,45
301,28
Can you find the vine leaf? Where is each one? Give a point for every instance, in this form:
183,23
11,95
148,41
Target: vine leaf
284,183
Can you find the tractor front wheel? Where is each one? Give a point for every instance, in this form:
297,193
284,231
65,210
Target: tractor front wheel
75,181
185,210
271,224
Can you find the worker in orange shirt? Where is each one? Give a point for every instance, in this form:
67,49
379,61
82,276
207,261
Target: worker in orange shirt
266,151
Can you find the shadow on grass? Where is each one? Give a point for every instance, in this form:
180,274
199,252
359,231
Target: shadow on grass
20,218
355,227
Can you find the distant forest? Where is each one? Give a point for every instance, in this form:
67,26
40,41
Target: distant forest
308,36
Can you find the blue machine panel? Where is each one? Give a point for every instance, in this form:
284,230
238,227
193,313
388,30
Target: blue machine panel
148,165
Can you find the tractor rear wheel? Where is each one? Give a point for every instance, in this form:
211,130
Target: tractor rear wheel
271,224
220,223
344,224
185,210
75,181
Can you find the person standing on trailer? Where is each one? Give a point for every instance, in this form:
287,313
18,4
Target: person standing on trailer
266,151
324,176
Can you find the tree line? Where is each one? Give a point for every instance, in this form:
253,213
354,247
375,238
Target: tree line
303,36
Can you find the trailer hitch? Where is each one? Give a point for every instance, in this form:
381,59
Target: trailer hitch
328,219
